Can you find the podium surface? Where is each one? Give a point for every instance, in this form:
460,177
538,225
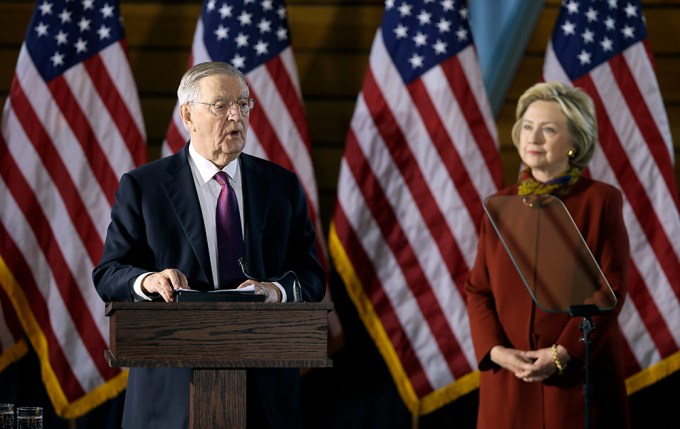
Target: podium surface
219,341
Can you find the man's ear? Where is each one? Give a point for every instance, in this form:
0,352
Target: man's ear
185,114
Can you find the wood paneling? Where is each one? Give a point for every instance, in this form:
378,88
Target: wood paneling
332,41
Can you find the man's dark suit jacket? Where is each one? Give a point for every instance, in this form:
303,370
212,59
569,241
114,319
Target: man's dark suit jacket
156,223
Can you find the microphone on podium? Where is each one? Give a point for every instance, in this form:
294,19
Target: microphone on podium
297,290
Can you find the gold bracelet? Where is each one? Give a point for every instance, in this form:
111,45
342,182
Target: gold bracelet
558,364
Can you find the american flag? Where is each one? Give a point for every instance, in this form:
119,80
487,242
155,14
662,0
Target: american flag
71,126
12,343
602,47
420,156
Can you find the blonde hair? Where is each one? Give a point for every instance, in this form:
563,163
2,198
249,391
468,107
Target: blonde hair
576,105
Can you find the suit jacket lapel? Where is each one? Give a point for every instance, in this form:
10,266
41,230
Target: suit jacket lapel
181,192
256,207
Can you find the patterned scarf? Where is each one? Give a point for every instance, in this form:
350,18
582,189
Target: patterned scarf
559,186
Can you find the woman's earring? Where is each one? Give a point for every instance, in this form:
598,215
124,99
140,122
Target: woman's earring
571,154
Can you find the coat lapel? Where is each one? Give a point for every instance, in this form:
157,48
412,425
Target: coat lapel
181,192
256,207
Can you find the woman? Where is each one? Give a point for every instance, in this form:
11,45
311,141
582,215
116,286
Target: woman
531,361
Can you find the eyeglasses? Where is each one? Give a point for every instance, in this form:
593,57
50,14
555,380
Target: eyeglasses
222,107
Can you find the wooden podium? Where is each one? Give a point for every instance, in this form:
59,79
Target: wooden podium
219,341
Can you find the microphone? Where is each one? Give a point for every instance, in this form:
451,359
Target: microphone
297,292
538,201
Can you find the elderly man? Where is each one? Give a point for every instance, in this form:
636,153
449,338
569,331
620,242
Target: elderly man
185,221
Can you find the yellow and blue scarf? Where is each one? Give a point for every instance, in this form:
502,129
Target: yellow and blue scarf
559,186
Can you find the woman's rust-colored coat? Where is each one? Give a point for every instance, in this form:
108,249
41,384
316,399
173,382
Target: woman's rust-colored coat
502,313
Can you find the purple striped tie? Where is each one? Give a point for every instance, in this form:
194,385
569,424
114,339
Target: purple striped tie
229,236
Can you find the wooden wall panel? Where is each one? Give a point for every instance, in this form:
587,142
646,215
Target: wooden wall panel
332,41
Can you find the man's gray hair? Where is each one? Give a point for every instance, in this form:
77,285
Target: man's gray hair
188,89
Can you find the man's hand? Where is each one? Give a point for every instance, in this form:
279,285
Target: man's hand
272,293
165,283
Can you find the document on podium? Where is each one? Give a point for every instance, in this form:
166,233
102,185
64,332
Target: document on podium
549,252
246,294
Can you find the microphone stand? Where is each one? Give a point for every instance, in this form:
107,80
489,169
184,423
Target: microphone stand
297,289
586,326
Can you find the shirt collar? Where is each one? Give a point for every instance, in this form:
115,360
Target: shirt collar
207,169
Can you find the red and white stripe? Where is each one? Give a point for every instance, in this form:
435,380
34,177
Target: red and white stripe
65,145
419,160
635,154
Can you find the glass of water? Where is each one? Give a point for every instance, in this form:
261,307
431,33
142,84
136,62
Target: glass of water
6,416
29,418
